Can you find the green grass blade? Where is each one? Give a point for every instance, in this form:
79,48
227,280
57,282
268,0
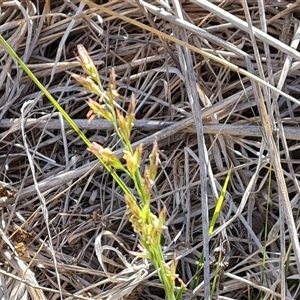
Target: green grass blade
212,225
219,204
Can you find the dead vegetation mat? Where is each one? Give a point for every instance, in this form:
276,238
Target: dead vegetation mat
217,85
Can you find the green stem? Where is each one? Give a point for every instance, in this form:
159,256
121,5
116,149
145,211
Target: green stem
158,261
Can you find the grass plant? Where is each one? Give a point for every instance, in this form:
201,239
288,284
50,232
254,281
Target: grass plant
148,226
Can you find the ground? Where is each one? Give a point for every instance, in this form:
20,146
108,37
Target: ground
216,85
